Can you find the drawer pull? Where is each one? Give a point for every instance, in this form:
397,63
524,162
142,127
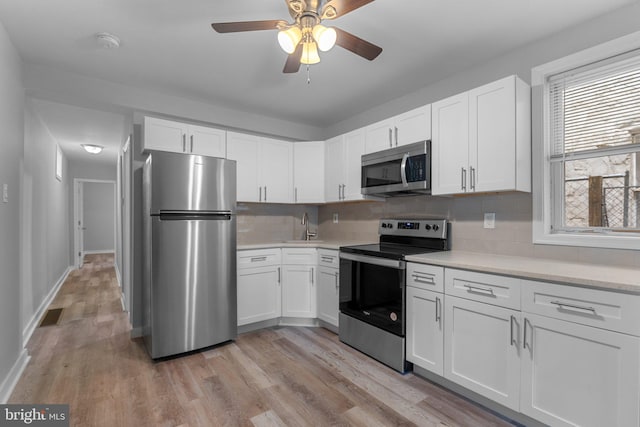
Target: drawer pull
327,258
423,279
570,307
258,258
479,290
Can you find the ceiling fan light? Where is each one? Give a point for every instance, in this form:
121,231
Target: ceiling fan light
289,39
92,148
309,53
325,37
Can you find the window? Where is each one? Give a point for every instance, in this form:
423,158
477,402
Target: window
590,157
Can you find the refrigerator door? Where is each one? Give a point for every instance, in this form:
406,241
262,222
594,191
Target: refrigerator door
191,183
193,286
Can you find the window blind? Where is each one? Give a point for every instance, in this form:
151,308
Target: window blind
595,107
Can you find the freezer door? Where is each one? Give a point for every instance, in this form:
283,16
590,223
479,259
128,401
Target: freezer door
191,183
193,283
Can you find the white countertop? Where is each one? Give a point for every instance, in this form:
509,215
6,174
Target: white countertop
320,244
589,275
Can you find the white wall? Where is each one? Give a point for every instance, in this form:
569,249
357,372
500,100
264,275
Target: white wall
99,216
12,126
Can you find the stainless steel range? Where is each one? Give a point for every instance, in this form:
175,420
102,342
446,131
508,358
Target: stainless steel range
372,286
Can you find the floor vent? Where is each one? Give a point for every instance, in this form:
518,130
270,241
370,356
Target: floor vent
51,317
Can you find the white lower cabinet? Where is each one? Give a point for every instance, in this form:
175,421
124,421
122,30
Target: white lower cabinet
481,350
327,293
258,294
299,282
576,375
425,329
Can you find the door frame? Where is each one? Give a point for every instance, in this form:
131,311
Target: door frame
78,199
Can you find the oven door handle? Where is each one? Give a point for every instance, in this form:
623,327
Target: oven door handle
383,262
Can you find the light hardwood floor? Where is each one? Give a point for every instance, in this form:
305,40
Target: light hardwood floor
273,377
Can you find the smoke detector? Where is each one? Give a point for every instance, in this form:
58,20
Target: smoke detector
108,41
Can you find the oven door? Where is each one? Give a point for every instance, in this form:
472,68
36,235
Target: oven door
372,290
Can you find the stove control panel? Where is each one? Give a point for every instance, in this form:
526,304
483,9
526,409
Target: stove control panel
433,228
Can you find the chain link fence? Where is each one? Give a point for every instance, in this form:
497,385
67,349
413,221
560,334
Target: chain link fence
620,202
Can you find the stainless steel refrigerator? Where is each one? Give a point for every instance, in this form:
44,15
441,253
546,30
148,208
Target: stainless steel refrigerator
189,290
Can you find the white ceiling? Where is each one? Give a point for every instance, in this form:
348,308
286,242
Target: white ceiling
169,46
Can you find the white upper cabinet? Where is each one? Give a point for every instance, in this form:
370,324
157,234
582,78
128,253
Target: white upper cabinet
308,172
343,160
177,137
264,168
412,126
482,139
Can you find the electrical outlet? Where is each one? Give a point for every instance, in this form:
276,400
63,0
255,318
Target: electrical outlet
5,193
490,220
335,218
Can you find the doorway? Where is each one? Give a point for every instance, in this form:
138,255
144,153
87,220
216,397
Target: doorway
94,217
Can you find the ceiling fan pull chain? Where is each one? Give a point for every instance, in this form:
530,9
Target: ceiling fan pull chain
308,75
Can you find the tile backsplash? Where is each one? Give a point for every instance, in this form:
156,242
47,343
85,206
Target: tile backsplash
269,223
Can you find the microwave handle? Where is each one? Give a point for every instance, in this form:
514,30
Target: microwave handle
403,170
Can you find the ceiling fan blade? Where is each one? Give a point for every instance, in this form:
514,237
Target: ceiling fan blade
337,8
357,45
293,61
234,27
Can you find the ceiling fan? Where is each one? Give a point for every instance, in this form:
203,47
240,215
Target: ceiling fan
302,38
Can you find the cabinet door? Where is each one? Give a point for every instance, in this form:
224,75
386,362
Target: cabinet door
258,294
207,141
165,135
413,126
481,350
308,172
425,337
327,297
298,291
334,169
450,144
579,375
244,150
276,170
492,136
353,151
379,136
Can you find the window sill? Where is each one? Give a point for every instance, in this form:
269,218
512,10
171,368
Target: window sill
608,241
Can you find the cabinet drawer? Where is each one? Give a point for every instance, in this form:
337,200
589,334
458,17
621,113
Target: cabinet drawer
593,307
328,258
428,277
502,291
258,258
299,256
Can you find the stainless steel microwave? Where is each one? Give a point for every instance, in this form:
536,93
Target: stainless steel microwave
398,171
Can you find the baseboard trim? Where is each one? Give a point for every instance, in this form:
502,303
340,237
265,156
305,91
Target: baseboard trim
9,383
33,322
101,251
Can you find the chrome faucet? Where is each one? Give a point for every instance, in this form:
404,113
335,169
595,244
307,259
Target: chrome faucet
307,234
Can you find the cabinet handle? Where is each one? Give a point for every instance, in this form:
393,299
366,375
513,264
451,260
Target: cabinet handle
390,138
265,193
278,275
336,275
472,173
191,138
260,194
311,276
464,179
295,197
258,258
580,309
513,319
478,289
438,310
326,258
424,279
184,142
396,128
524,340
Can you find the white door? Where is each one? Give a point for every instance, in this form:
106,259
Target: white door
413,126
450,144
379,136
276,170
481,350
308,172
575,375
492,136
244,150
165,135
328,293
334,169
259,296
207,141
354,143
425,334
298,291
